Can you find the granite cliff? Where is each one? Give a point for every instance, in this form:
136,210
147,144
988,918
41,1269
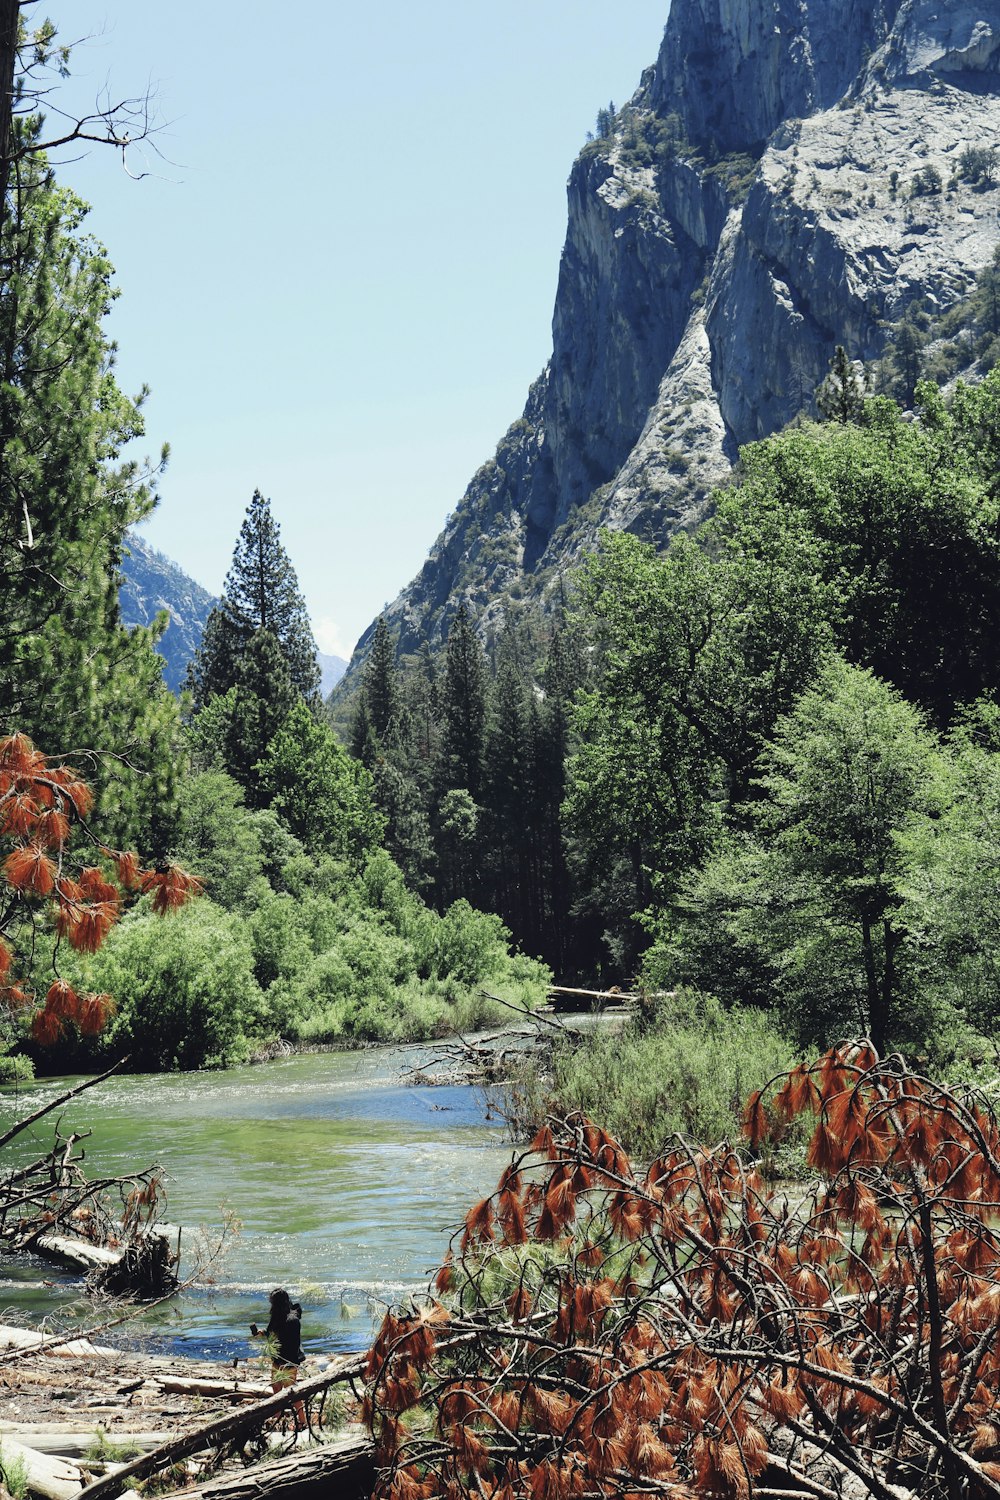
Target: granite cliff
788,176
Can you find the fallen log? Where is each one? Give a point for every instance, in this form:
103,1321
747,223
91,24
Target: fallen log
589,999
65,1442
309,1474
80,1254
178,1385
46,1474
222,1430
21,1338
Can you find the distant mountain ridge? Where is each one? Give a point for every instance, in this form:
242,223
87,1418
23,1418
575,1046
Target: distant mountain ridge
151,583
790,175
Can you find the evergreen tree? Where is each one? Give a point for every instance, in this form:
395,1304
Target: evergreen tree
262,698
380,684
463,710
70,674
423,704
321,795
510,801
261,592
842,395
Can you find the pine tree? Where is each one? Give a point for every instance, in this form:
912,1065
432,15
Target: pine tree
263,697
841,397
510,801
261,592
463,736
381,683
70,674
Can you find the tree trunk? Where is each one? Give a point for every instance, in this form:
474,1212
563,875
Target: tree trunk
220,1430
9,14
343,1469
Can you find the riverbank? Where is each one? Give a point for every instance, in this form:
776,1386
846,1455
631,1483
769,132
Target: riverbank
79,1417
119,1393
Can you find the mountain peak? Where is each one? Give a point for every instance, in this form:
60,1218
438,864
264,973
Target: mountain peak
788,177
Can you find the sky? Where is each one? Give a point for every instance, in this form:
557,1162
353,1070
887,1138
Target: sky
337,274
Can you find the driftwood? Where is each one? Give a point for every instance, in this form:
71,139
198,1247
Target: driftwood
48,1475
221,1432
23,1339
345,1469
564,998
65,1442
229,1389
80,1254
104,1228
486,1059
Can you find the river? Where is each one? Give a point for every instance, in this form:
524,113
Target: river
347,1184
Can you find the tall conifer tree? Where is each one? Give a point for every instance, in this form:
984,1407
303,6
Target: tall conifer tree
463,738
70,674
261,592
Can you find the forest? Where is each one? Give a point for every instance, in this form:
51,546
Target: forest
756,764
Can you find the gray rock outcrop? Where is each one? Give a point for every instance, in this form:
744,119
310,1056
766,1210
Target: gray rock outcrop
762,198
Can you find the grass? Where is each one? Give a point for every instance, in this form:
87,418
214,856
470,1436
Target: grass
684,1067
104,1450
14,1472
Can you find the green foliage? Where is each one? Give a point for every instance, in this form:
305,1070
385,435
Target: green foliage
185,987
261,593
803,913
217,837
70,674
323,797
687,1069
605,122
463,703
951,887
14,1069
928,181
978,165
842,395
14,1472
470,945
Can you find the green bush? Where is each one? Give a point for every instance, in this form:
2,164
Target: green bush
185,987
470,945
15,1069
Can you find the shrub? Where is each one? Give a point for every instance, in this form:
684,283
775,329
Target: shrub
185,986
470,945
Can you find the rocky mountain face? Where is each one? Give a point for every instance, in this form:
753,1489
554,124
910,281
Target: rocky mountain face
788,176
152,583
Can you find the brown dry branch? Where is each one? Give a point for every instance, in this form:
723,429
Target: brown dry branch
689,1330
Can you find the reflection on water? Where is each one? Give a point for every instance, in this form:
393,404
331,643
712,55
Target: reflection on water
346,1184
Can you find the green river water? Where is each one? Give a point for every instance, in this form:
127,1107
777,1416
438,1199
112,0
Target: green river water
347,1183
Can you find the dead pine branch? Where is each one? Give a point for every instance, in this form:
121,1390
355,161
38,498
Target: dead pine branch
684,1329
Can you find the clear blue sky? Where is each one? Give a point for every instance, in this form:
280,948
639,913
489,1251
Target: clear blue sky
340,284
